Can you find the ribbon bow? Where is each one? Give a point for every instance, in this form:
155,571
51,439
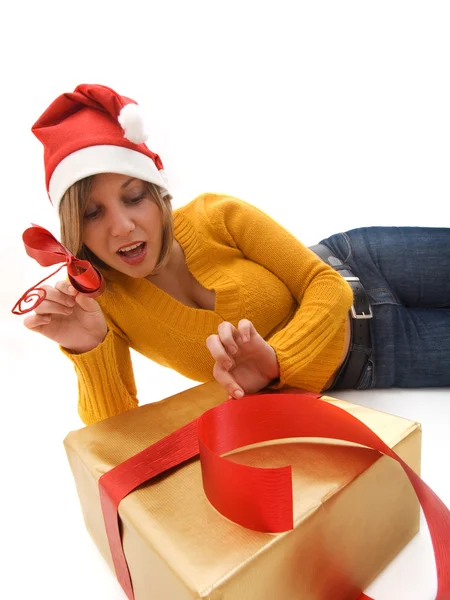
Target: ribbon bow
41,245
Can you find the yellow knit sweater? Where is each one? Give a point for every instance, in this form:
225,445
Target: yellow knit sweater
258,270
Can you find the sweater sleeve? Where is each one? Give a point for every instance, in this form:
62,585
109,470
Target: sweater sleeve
106,385
310,345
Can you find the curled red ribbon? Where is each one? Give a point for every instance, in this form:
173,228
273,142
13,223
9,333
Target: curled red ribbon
257,498
41,245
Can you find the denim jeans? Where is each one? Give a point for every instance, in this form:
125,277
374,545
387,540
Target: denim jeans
406,274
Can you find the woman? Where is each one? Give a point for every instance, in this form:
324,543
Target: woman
218,289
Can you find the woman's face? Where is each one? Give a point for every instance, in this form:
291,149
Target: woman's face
122,224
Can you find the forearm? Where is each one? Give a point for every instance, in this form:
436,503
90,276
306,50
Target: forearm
105,380
310,347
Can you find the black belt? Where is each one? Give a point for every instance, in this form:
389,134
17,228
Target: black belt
351,370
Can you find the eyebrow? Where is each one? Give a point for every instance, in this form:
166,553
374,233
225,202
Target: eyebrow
127,182
122,187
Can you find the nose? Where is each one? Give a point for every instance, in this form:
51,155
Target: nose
120,222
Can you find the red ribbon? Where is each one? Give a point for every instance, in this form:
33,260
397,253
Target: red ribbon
41,245
257,498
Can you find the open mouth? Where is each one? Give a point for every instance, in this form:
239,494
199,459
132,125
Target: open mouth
134,253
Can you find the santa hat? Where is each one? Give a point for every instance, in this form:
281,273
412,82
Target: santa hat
95,130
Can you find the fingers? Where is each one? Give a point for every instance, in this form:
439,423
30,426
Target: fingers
218,352
34,321
86,303
223,345
224,348
226,343
228,335
226,380
83,301
59,300
65,287
246,330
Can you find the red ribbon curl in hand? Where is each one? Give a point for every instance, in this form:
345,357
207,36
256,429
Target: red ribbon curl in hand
41,245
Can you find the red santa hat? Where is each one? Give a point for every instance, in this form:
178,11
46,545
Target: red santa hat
95,130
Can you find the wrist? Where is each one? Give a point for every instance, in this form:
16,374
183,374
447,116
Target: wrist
273,372
84,348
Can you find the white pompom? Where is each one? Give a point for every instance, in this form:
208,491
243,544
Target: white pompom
132,121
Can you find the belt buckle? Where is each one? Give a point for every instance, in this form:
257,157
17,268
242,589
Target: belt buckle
361,315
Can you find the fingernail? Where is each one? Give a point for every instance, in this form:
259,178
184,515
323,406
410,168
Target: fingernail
238,394
233,350
227,365
71,289
245,338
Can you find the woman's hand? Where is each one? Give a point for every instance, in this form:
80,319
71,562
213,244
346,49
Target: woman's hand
69,318
245,363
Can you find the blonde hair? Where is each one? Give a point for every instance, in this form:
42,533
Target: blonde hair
71,212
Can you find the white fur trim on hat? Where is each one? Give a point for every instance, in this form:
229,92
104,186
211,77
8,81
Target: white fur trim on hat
103,159
132,121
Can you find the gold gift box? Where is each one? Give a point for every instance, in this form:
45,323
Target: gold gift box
354,510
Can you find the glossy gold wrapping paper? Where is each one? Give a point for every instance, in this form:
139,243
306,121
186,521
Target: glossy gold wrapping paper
353,510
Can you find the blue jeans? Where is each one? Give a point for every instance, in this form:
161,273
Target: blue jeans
406,274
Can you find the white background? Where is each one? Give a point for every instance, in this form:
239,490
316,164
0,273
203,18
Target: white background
327,115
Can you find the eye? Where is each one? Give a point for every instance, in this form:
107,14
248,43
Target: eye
135,199
91,213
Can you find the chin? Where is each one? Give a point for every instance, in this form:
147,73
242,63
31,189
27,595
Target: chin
139,271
